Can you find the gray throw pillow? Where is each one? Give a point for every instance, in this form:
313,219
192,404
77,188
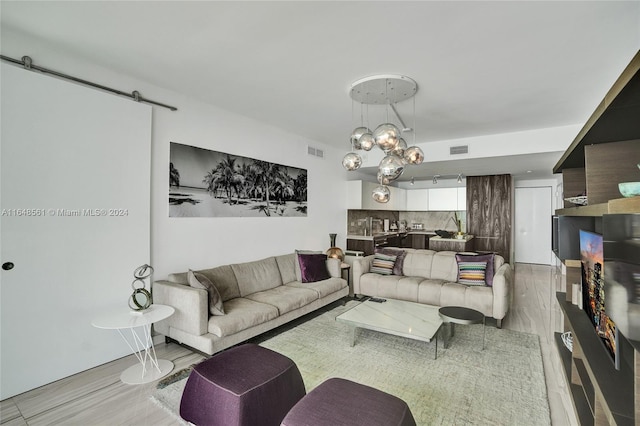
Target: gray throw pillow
197,280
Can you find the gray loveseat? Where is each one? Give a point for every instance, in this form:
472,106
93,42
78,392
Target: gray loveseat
430,277
257,296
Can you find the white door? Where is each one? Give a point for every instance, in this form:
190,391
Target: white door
533,211
75,189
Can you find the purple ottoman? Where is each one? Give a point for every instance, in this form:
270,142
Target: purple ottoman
340,402
246,385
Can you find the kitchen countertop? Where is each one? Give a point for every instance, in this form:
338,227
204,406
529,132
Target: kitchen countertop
387,234
462,240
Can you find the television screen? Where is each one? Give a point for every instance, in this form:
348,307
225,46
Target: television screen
593,291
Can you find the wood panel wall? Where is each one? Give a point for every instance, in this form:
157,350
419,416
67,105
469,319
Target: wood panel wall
489,213
607,165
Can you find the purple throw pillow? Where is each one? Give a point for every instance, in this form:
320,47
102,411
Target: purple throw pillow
313,267
489,258
400,255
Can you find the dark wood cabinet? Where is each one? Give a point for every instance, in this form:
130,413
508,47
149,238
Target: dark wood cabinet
365,246
489,213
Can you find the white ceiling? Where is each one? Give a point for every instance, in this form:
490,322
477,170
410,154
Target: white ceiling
482,67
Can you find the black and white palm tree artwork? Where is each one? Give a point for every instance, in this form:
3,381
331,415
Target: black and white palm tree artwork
206,183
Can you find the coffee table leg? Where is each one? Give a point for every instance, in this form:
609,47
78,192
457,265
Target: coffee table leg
484,320
353,336
435,355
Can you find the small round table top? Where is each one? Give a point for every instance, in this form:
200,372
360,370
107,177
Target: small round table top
460,315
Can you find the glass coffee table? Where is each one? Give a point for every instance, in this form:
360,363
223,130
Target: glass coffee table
396,317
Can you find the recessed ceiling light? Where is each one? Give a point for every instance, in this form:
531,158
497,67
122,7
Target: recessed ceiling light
528,171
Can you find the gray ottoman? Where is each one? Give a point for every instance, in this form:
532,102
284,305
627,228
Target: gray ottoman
244,386
340,402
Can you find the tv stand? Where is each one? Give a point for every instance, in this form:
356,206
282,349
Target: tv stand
600,393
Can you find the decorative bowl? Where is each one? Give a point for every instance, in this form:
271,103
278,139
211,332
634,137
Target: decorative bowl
629,189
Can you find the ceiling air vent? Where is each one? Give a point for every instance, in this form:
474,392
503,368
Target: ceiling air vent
462,149
315,151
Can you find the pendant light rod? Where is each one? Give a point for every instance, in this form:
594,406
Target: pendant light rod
404,126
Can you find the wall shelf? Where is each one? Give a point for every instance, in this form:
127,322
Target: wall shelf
608,393
618,205
605,152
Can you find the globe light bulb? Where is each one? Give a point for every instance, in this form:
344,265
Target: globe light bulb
391,167
386,136
413,155
352,161
381,194
399,149
366,141
356,135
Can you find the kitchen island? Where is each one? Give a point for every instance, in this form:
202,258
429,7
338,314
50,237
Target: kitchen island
438,243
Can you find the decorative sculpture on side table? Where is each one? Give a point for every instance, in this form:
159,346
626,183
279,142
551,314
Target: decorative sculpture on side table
140,299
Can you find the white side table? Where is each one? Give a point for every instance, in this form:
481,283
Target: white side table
140,342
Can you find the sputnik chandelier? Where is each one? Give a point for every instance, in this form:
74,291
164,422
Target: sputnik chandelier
386,90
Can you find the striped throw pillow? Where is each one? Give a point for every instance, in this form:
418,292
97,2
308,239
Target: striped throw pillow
383,264
472,273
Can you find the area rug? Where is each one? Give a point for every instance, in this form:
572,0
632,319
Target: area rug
501,385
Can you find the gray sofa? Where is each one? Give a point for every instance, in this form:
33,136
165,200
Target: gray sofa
257,296
430,277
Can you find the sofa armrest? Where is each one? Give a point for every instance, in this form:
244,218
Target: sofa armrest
191,305
360,267
333,266
502,291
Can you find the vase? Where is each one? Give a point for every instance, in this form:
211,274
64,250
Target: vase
332,237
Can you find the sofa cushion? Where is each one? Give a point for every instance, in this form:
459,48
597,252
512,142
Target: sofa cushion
400,255
391,286
488,258
444,266
285,298
241,314
418,263
313,267
259,275
198,280
222,277
383,264
286,264
472,273
322,288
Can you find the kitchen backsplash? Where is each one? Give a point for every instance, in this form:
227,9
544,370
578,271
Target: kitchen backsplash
431,221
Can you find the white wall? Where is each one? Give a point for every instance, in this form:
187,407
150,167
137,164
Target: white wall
551,139
181,243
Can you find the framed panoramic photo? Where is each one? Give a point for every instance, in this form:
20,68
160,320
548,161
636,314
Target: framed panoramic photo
205,183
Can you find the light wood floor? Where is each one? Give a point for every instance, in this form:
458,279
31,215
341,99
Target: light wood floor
98,397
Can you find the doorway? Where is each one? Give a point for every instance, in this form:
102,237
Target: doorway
533,211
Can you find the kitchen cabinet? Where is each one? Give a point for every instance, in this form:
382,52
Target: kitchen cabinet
365,246
359,197
418,200
447,199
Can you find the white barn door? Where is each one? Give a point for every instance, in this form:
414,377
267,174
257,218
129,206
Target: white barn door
75,189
